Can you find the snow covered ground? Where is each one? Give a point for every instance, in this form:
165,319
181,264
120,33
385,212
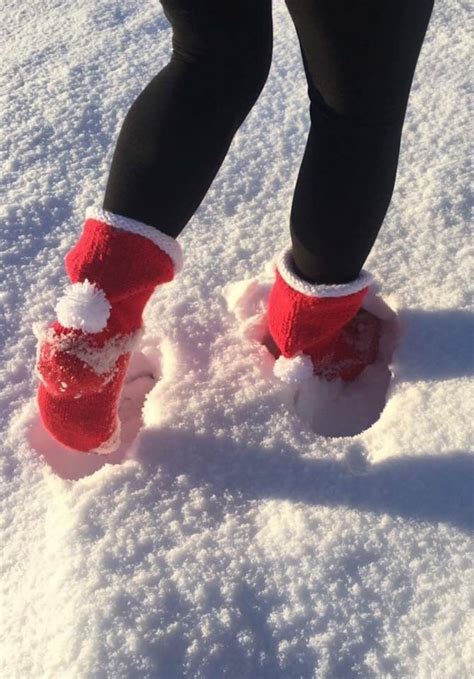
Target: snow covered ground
231,538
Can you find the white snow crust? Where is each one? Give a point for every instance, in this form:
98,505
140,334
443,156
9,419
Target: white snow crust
244,528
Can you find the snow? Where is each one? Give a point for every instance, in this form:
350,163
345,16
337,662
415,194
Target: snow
230,535
293,370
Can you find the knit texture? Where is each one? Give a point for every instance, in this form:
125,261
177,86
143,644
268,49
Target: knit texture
162,240
82,372
284,264
340,338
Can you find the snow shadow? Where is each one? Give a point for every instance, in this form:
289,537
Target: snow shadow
437,344
338,408
429,345
423,487
142,375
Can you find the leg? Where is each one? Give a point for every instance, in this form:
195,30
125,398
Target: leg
359,57
178,131
172,143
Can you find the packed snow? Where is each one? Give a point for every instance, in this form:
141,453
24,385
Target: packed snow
246,528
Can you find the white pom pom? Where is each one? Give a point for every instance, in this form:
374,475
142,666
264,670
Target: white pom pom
293,370
83,307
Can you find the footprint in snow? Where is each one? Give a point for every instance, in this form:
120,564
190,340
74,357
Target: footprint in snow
333,408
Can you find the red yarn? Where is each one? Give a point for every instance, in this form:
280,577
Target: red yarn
82,373
339,336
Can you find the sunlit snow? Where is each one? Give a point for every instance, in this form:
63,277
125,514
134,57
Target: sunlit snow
245,528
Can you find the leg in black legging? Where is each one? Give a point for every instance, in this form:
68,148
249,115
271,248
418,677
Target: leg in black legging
359,57
178,131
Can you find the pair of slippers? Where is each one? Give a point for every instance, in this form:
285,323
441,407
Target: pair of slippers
114,268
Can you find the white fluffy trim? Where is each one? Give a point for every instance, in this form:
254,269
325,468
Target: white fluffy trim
162,240
287,271
293,370
84,307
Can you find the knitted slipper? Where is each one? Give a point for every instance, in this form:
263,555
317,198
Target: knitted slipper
320,329
83,356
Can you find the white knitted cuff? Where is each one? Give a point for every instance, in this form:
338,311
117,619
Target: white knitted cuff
162,240
285,266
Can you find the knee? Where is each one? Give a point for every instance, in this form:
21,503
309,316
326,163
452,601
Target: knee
359,111
231,73
229,49
247,76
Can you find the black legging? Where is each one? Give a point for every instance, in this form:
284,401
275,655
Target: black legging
359,57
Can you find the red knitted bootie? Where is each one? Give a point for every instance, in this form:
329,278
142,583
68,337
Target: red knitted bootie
83,356
320,329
